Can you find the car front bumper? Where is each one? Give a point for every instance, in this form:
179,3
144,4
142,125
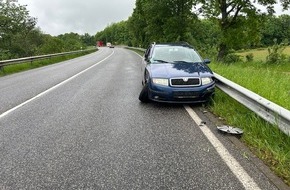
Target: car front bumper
169,94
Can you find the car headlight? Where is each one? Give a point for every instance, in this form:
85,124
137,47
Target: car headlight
206,80
160,81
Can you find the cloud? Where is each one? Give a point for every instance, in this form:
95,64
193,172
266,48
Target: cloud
89,16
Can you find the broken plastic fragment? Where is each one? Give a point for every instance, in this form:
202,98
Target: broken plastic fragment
231,130
202,123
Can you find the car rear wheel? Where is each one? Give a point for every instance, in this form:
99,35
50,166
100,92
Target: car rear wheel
143,96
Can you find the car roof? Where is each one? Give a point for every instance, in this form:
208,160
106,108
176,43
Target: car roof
184,44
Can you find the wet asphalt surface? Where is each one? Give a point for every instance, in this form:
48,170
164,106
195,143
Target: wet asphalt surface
93,133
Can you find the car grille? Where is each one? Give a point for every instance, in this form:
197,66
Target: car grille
185,94
185,81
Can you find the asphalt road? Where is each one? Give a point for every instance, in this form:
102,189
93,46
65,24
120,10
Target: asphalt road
79,125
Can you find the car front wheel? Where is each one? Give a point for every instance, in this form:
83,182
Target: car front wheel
143,96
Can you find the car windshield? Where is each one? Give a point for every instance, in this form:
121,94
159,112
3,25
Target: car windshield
175,54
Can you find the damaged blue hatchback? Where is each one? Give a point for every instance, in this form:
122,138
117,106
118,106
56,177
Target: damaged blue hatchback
175,73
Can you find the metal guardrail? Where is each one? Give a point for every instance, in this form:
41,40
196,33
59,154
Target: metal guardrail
31,59
266,109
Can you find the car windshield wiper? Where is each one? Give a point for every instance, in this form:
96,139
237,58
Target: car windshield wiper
160,60
182,62
186,62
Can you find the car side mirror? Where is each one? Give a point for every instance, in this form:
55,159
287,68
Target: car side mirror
206,61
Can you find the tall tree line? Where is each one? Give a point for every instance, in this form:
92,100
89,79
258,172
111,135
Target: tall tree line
19,36
210,25
214,26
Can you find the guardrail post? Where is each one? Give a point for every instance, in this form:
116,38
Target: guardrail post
2,69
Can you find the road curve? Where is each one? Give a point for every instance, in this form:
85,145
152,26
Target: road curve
83,127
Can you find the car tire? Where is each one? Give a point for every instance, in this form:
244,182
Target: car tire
143,96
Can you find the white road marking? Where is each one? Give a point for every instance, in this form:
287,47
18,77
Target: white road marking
52,88
231,162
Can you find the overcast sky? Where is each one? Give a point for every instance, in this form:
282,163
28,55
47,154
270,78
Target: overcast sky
81,16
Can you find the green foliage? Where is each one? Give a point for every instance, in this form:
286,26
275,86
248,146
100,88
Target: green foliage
88,40
276,55
20,38
232,58
137,24
161,21
71,41
15,25
51,45
225,26
250,57
238,21
275,28
116,33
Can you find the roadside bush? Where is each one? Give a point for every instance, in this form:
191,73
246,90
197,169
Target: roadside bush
250,57
4,55
275,53
232,58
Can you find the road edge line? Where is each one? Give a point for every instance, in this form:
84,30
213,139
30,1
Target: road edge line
230,161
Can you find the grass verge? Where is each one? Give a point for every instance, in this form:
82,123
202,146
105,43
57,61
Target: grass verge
260,54
10,69
265,140
268,82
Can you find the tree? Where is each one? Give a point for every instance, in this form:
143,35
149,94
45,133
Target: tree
179,20
161,20
238,20
51,45
137,25
15,24
275,28
72,41
116,33
88,40
206,33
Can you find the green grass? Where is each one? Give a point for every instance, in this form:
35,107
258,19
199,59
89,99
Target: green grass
270,81
266,80
264,139
261,54
10,69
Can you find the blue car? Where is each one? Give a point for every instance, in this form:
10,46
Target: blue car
175,73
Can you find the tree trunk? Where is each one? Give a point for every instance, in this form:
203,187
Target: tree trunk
222,52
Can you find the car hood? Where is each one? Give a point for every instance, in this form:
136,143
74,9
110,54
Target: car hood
171,70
